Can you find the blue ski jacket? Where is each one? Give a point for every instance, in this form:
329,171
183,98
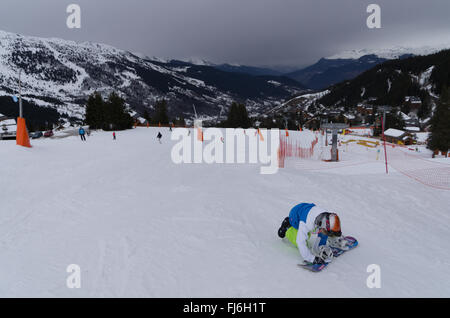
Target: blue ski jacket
300,213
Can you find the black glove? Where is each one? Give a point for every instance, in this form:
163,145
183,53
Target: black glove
318,260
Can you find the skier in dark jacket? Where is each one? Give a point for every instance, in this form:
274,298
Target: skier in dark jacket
159,137
82,133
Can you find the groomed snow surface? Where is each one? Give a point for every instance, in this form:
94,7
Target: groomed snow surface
139,225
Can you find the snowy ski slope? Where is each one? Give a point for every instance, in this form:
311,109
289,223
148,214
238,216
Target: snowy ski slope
139,225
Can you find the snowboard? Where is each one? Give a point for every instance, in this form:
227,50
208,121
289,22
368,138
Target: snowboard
314,267
351,244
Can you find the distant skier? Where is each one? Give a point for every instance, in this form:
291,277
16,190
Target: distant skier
114,135
313,231
159,137
82,133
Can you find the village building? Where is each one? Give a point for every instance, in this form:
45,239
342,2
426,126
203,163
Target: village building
397,136
8,127
422,138
364,109
412,129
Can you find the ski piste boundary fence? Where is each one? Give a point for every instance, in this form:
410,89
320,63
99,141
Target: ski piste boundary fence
303,147
294,148
434,174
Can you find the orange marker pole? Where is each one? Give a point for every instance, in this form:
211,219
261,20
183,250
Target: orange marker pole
22,138
260,135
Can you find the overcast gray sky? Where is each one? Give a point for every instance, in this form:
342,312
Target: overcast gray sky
252,32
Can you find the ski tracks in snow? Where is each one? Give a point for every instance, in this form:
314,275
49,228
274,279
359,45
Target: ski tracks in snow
113,268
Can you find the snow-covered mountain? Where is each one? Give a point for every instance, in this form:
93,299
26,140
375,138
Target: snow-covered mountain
349,64
61,74
252,70
390,53
391,83
327,72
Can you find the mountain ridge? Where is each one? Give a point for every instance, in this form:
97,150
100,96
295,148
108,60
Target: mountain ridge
61,74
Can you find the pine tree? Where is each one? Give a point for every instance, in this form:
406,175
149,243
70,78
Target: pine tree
161,116
117,118
107,115
267,122
238,117
233,116
146,116
425,108
394,120
95,111
244,120
180,122
440,123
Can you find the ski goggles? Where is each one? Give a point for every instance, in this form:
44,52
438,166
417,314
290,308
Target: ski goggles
336,230
332,233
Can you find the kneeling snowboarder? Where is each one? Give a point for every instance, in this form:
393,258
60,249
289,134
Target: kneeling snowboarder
315,232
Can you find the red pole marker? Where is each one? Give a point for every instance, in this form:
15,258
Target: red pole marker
384,141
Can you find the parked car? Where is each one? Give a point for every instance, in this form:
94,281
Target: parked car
37,135
48,133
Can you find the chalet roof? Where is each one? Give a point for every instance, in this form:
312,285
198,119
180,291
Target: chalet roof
413,99
412,128
422,136
391,132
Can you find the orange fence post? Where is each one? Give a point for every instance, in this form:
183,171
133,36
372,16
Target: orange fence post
199,134
260,135
22,138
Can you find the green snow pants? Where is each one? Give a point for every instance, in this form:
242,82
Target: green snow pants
291,235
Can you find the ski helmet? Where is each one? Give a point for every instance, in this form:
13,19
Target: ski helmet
331,224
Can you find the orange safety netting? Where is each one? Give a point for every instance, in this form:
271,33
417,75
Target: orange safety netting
290,147
431,173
